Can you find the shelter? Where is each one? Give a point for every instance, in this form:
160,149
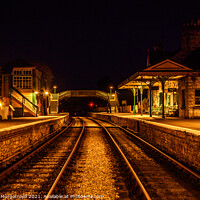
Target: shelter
172,89
162,81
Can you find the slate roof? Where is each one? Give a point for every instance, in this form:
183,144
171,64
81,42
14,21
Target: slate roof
190,59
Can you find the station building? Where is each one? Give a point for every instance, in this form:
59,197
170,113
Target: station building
23,90
170,80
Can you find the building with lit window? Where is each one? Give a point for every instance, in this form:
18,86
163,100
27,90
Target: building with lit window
24,89
25,81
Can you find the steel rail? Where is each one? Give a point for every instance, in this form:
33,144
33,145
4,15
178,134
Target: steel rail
169,158
16,165
143,191
163,154
48,196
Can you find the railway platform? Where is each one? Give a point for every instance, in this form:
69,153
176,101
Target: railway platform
175,122
26,133
178,137
19,122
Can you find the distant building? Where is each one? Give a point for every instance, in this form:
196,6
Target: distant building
26,80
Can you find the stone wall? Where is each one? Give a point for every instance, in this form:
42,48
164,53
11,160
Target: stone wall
15,140
184,145
125,109
188,84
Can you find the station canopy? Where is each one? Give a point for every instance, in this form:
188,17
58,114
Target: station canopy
167,69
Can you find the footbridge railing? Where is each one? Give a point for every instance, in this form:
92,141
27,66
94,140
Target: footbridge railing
84,93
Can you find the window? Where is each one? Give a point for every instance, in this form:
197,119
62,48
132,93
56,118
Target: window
23,82
22,72
27,72
17,72
197,97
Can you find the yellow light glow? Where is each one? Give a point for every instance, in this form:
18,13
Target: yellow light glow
36,92
54,86
113,95
1,104
46,92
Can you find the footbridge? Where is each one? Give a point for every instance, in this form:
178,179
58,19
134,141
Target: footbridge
85,93
111,98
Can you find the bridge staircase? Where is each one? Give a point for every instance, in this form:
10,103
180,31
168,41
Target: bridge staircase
22,105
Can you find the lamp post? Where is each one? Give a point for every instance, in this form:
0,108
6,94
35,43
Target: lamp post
134,93
150,85
54,89
111,87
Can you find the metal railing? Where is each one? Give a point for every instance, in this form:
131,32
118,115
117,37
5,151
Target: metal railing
83,93
25,102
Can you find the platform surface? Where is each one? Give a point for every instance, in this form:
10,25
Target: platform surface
15,122
174,121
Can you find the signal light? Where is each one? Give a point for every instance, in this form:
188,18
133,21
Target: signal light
91,104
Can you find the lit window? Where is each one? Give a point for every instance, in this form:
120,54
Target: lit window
197,97
23,82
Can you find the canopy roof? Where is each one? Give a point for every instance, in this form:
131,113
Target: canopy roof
167,68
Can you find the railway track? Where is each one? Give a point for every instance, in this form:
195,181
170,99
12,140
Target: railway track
98,170
162,176
31,176
109,163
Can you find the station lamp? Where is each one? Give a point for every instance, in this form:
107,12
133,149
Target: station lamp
1,104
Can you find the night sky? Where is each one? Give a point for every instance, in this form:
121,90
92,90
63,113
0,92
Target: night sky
84,41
